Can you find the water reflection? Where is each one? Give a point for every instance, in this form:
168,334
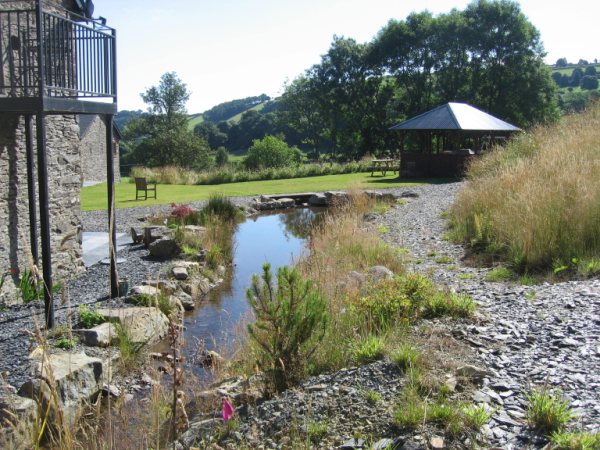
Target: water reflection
278,238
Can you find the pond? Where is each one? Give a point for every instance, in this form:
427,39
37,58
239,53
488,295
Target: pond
278,238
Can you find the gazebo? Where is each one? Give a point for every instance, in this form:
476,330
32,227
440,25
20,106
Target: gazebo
448,137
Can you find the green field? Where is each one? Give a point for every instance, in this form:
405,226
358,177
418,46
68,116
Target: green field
195,119
238,117
94,197
569,69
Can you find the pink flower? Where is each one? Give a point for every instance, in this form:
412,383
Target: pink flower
228,410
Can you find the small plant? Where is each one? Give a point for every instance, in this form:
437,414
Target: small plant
130,351
290,320
372,397
530,295
65,343
406,357
465,276
527,280
383,228
589,267
443,259
368,349
546,412
410,411
578,440
431,254
316,431
475,417
499,274
89,318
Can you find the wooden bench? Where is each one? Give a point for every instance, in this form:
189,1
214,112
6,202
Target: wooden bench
142,185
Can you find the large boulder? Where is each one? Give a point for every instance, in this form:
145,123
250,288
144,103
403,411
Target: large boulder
101,335
145,325
164,248
74,377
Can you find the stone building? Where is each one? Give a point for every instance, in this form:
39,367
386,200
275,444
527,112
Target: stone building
93,158
58,64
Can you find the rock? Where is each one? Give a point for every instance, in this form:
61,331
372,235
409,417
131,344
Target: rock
144,290
145,325
286,202
210,359
101,335
186,300
164,248
473,373
353,443
166,286
76,377
221,271
180,273
336,197
437,443
15,408
409,194
383,444
380,273
112,390
318,200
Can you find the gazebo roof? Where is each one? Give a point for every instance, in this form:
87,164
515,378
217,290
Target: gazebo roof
455,116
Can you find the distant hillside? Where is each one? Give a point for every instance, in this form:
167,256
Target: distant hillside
123,117
227,110
195,119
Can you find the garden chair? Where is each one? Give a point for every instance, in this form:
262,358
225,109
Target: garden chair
142,185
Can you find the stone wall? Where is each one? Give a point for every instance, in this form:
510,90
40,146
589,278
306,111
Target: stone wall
64,181
93,150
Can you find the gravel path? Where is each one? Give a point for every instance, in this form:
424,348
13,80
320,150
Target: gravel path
545,334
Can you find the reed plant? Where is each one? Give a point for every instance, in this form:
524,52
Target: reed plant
536,201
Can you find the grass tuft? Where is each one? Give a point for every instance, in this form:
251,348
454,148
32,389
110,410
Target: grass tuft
546,412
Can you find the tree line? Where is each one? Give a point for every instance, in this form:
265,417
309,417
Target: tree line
488,55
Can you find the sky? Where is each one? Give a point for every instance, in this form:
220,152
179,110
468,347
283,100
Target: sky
229,49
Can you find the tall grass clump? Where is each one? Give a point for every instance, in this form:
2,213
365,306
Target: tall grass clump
536,202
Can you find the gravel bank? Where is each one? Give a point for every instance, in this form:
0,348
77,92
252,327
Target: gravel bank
545,334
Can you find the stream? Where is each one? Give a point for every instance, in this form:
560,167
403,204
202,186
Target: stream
278,238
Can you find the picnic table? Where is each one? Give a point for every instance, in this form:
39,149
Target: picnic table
384,165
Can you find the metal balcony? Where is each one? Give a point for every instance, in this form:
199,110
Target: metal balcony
54,60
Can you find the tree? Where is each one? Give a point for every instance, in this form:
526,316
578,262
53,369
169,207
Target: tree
590,70
221,157
561,62
576,76
271,151
583,62
589,82
161,136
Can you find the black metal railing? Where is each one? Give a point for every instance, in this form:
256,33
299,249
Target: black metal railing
49,51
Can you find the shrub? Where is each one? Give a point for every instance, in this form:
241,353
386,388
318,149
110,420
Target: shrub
270,152
289,321
546,412
89,318
221,156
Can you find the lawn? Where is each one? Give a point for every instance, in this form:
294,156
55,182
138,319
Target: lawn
94,197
